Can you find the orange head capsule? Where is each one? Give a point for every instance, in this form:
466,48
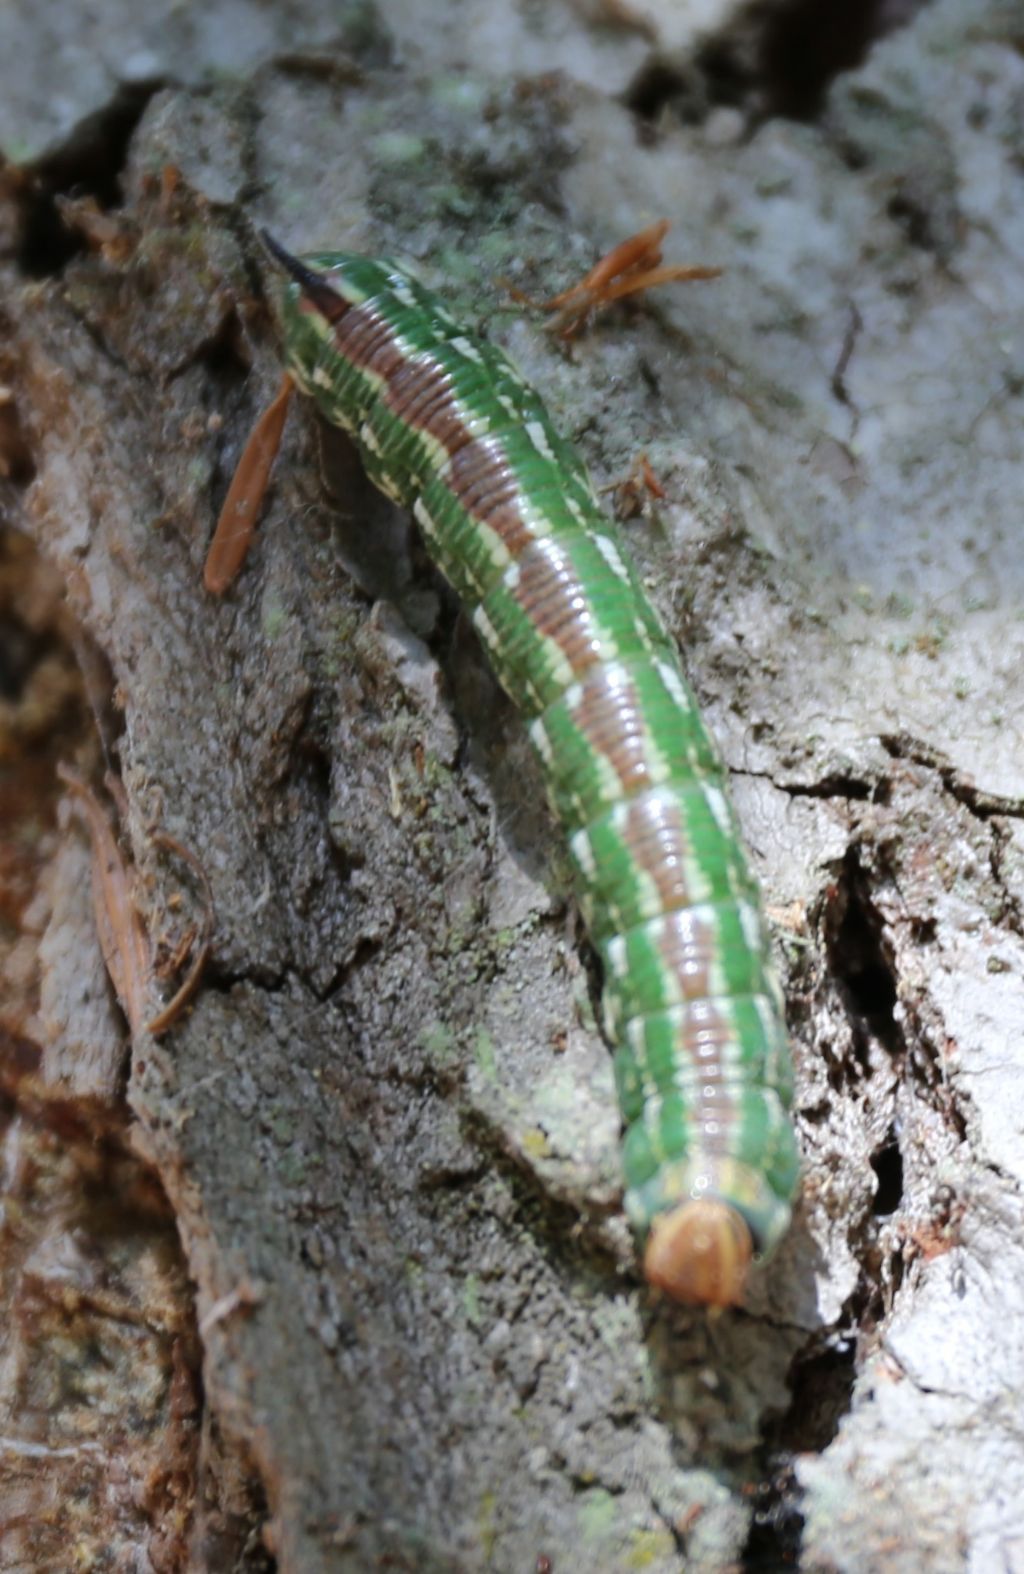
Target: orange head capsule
699,1253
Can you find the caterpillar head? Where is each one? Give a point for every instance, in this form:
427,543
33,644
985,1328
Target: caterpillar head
699,1253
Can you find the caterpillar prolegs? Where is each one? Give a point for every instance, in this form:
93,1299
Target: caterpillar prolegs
448,429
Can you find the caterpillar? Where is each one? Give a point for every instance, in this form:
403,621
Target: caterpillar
447,428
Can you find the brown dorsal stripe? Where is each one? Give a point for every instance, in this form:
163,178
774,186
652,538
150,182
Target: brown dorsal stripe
482,478
713,1115
551,594
702,1035
656,834
420,395
365,335
609,717
689,946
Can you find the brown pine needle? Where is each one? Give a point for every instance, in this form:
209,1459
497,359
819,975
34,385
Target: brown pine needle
125,945
241,511
122,936
631,267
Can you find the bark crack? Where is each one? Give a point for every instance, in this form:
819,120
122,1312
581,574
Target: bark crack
982,804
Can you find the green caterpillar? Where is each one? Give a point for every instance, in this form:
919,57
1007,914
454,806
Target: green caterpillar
448,429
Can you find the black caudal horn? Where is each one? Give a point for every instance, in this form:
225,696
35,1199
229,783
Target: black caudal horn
312,284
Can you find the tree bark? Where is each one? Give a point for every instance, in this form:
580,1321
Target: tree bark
386,1127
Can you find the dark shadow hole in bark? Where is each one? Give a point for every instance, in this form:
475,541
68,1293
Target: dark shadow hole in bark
806,45
897,1272
41,657
859,960
493,740
21,651
372,537
312,773
839,786
776,1527
665,85
17,467
229,1534
887,1163
224,356
821,1384
89,164
915,219
776,60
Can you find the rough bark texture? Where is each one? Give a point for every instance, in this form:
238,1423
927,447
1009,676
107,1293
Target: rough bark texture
386,1129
